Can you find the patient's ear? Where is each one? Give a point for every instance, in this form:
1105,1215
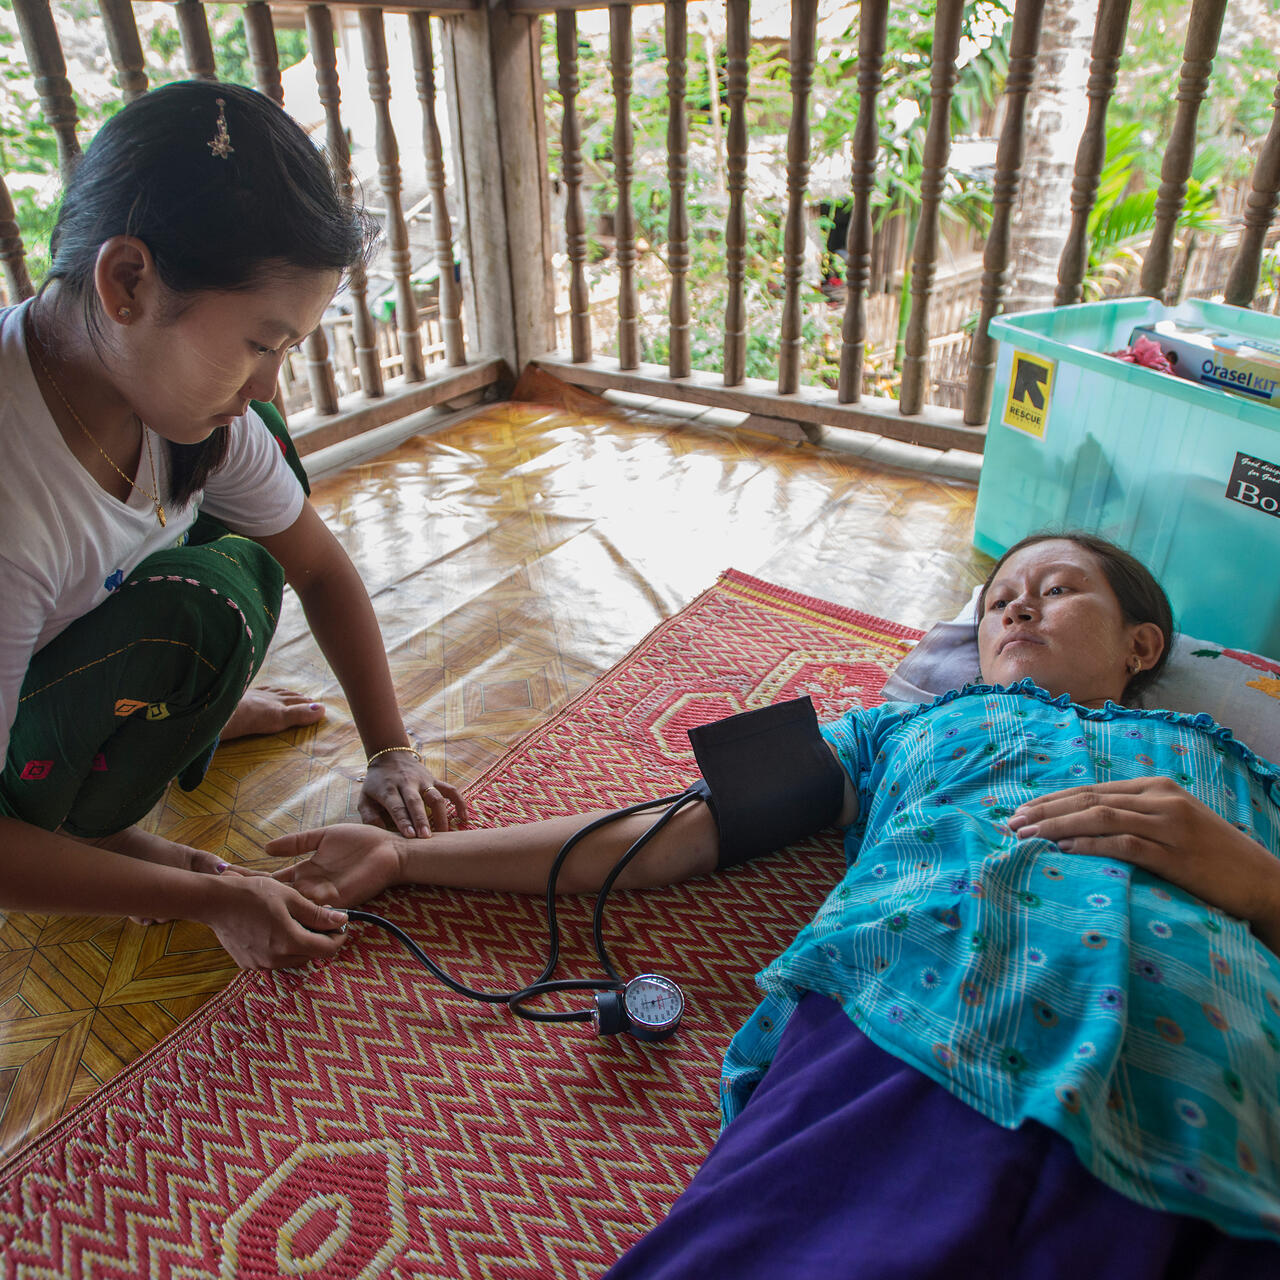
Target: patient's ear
1148,644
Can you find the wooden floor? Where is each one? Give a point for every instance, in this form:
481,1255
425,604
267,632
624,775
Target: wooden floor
512,559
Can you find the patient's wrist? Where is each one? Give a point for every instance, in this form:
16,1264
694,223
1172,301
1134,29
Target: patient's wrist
401,861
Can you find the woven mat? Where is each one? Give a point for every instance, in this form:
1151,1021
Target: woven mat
356,1119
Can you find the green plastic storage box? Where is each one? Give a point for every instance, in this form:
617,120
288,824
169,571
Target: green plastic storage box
1186,477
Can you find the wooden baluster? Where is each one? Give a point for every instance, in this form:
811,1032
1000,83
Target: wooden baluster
49,70
260,35
804,33
125,47
1203,30
872,24
677,33
937,149
374,36
1028,15
433,150
1108,45
320,38
1260,209
737,45
624,218
197,45
13,257
575,226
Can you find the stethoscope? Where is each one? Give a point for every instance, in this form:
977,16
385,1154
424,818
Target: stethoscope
648,1006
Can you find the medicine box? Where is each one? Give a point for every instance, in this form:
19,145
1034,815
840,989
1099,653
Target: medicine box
1185,476
1245,366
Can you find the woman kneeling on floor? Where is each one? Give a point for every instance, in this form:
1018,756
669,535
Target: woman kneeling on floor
152,508
1035,1030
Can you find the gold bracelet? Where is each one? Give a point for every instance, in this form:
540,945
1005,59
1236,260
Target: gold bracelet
387,750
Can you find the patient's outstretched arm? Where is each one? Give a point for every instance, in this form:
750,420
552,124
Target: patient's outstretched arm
348,864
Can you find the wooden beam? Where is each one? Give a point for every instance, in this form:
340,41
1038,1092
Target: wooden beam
555,6
357,414
492,62
399,6
935,427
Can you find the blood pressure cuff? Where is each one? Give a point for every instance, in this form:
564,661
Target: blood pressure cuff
770,778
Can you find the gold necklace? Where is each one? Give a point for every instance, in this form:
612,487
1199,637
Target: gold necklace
154,495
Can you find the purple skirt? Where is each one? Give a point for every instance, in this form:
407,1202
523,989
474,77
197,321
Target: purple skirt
849,1163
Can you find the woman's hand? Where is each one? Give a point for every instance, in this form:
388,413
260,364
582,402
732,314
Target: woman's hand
348,865
134,842
267,925
399,789
1155,824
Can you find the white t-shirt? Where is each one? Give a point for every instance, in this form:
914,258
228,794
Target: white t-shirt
66,544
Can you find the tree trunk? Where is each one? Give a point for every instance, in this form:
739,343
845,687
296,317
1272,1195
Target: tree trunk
1056,109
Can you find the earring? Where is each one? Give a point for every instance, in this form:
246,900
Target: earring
1135,666
124,314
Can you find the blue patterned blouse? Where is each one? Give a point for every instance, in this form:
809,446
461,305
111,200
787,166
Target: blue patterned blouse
1084,993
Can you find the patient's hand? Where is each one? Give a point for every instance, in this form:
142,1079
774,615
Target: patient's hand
1156,825
349,864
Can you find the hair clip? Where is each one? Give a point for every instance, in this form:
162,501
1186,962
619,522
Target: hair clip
220,144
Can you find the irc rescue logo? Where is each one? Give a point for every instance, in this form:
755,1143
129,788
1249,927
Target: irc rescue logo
1030,386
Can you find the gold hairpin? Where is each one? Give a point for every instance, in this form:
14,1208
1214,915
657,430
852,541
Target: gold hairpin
220,144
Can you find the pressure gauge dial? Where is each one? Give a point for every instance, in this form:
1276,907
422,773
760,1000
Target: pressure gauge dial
650,1007
654,1006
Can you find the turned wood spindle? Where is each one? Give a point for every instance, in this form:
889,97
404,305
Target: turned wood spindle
49,70
320,38
623,158
873,24
804,32
1264,194
260,35
1203,30
677,37
575,225
374,35
125,47
1108,44
13,256
1028,17
197,44
737,46
450,296
937,150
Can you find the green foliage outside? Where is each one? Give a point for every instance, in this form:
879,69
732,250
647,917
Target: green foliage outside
1237,114
833,119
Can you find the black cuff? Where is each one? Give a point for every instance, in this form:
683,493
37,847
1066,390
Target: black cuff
770,778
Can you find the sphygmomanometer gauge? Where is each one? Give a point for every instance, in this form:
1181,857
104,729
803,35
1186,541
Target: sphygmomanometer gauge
649,1007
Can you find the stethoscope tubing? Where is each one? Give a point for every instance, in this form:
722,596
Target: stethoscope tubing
543,984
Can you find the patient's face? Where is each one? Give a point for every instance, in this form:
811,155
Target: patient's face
1050,614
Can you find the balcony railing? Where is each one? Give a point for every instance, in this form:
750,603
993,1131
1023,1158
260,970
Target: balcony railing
497,311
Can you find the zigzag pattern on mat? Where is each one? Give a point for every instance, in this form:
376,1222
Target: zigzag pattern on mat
357,1119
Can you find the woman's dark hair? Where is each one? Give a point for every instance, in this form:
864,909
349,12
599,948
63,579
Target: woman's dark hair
1141,597
212,223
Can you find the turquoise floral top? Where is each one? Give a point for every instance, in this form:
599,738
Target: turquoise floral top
1133,1018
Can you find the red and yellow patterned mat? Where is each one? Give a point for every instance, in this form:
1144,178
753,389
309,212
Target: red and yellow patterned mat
356,1119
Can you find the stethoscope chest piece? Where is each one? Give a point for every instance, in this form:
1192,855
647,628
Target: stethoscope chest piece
649,1007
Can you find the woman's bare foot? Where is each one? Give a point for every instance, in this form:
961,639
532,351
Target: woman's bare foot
268,709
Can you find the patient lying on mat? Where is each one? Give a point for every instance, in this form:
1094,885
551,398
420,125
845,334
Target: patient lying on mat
1037,1024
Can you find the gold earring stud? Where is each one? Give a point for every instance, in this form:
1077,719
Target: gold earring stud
124,314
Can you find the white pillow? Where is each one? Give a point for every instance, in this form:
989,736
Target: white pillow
1238,689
